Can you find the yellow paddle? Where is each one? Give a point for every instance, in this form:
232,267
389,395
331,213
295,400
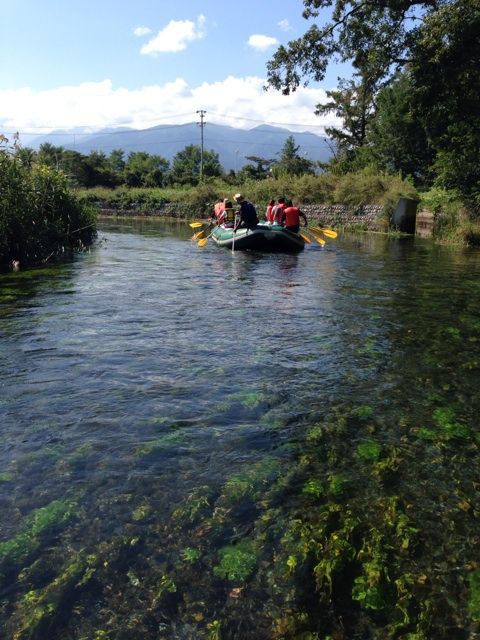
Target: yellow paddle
330,233
197,225
198,235
305,237
203,241
318,238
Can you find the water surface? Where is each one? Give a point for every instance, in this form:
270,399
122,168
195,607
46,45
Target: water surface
197,444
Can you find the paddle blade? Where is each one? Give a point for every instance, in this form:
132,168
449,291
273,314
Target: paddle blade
198,235
318,238
330,233
197,225
202,242
305,237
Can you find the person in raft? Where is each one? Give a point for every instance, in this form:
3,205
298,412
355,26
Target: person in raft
278,209
269,211
291,217
228,215
218,212
247,213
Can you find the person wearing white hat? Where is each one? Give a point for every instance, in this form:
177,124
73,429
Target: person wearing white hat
248,214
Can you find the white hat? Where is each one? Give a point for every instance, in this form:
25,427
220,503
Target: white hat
238,197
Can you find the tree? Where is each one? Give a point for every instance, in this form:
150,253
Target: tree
116,161
446,94
50,155
186,165
396,140
375,35
291,162
26,156
257,169
354,103
99,170
144,170
75,166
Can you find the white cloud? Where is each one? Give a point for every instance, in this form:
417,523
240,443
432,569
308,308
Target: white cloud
261,42
175,36
284,25
97,105
141,31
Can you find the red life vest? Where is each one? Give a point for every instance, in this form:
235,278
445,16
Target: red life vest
291,216
269,213
218,210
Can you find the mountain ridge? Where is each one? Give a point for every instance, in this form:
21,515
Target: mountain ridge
232,145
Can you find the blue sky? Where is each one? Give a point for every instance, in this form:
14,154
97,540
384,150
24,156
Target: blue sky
139,63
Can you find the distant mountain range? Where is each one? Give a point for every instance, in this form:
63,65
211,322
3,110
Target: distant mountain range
232,145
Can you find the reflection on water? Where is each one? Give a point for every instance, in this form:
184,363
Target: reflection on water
200,444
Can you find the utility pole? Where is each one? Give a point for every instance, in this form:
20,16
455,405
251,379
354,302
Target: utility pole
202,123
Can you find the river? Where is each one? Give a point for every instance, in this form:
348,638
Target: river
200,444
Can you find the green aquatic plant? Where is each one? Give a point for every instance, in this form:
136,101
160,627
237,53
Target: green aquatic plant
237,487
337,484
315,433
363,411
142,512
368,347
191,555
237,562
334,555
165,442
165,586
252,480
424,433
18,549
445,418
368,593
474,599
214,630
453,332
369,450
250,399
313,487
372,589
39,608
193,506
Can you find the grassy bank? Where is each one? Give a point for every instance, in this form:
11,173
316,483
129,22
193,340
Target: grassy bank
353,190
454,223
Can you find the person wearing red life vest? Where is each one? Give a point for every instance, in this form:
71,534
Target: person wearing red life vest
218,212
269,212
278,210
291,217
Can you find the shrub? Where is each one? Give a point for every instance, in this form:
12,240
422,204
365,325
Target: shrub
39,216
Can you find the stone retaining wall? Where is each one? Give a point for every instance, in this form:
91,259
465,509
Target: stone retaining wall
366,217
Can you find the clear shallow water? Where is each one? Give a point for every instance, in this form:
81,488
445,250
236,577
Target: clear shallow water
161,405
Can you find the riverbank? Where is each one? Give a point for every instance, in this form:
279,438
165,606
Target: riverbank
367,218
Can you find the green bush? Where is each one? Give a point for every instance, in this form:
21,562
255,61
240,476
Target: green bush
39,216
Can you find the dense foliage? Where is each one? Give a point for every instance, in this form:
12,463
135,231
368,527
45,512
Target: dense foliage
139,169
353,189
39,216
413,104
